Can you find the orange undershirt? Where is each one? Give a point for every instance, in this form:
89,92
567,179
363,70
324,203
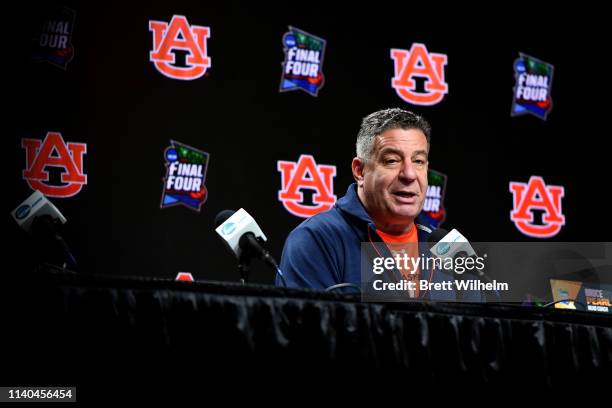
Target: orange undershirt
408,244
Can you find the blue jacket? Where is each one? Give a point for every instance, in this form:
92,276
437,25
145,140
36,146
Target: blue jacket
325,249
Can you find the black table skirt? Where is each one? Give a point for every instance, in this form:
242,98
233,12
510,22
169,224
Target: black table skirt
74,329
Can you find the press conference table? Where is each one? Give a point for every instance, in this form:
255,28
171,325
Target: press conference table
71,328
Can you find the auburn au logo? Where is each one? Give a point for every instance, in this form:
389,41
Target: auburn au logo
306,175
53,152
418,63
179,36
535,195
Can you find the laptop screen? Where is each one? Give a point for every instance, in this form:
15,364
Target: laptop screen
581,295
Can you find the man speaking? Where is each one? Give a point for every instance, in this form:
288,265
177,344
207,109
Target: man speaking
390,172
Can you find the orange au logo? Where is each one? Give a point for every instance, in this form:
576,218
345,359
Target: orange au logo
535,195
418,63
179,35
54,152
306,175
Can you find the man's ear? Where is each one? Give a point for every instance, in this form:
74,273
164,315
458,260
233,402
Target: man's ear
358,167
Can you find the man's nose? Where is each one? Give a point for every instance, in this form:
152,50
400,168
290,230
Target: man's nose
408,172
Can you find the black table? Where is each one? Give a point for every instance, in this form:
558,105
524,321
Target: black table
74,329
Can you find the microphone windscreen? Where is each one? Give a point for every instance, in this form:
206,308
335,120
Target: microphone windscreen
223,216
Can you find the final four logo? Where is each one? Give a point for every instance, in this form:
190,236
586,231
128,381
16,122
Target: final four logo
532,89
434,213
303,66
54,42
306,175
179,49
428,68
53,166
535,195
185,174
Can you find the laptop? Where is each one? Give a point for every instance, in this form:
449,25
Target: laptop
592,297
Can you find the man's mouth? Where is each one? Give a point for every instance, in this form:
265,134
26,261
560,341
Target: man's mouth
407,197
408,194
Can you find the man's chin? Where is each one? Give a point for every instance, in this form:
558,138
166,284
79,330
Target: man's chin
407,210
405,214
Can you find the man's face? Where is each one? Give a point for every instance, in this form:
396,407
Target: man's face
393,183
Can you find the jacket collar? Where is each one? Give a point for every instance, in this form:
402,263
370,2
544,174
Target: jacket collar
352,205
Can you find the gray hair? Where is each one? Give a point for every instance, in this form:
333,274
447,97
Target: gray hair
378,122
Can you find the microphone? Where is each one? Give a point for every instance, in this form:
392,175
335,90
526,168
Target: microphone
39,217
36,205
453,245
245,239
436,236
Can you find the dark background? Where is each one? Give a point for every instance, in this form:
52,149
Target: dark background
112,98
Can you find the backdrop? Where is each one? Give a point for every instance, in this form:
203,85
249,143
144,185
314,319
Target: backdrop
109,98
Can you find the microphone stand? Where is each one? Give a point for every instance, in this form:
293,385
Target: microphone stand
244,267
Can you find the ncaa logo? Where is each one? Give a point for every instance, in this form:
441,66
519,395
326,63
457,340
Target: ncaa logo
419,63
22,212
178,35
228,228
535,195
443,248
302,175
